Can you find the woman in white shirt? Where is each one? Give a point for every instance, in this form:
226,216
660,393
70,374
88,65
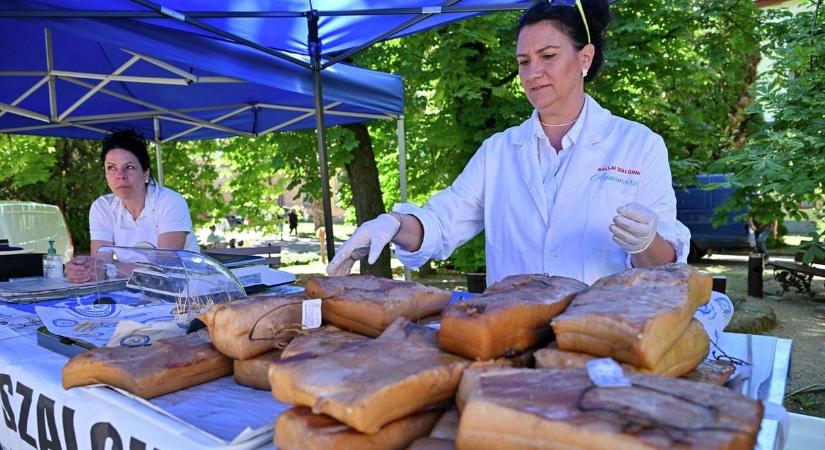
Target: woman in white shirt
138,211
573,191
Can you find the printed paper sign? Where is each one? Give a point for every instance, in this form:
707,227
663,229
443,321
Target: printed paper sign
311,314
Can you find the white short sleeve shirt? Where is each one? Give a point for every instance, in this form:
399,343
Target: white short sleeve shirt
165,211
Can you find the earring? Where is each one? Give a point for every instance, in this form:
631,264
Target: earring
584,73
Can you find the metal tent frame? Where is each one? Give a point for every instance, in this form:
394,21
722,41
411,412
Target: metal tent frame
95,84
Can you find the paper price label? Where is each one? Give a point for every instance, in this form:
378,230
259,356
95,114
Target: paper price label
311,314
605,372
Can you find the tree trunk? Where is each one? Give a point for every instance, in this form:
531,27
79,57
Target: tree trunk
366,193
739,114
318,213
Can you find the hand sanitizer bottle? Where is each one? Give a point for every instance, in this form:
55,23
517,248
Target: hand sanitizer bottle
52,263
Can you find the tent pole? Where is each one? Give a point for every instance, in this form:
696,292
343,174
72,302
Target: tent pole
315,55
402,172
49,69
158,150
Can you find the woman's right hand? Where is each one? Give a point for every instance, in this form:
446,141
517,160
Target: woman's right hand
78,270
368,240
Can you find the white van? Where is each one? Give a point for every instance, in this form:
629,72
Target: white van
32,225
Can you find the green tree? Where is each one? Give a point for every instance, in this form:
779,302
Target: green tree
62,172
191,168
780,168
682,68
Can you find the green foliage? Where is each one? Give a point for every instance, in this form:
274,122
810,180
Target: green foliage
681,68
461,86
470,257
190,169
250,177
780,168
61,172
26,160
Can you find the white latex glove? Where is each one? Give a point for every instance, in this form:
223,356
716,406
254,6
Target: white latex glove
370,237
634,228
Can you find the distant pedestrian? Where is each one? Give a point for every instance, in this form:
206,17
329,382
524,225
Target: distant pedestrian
215,238
761,231
293,222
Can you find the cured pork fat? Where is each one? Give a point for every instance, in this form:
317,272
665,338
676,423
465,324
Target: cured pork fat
633,316
683,357
165,366
509,317
562,409
326,339
250,327
369,384
711,371
254,372
299,428
367,305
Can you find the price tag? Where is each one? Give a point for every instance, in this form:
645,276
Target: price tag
605,372
311,313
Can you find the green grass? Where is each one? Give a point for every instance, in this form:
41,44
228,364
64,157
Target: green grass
294,259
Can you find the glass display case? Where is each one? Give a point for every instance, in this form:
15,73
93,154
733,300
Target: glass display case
190,280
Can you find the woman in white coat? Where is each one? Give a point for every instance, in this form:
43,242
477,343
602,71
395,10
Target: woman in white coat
138,211
573,191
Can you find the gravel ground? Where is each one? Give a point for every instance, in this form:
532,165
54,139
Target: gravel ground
799,317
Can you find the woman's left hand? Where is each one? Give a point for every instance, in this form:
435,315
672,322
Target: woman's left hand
634,228
78,270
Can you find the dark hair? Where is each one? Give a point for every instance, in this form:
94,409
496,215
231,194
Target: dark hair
569,20
129,140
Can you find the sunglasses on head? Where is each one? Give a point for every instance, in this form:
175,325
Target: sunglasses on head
577,4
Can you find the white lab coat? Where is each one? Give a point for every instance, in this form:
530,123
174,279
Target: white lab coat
614,162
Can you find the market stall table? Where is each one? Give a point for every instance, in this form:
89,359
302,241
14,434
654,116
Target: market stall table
39,413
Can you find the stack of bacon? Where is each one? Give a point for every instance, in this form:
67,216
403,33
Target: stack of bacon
642,318
366,393
387,384
238,330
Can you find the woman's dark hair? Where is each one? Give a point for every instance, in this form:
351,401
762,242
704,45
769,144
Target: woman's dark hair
570,22
129,140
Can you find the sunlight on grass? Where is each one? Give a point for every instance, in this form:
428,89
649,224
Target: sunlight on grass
718,270
794,240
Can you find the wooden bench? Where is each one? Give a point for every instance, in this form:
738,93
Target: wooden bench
271,253
797,274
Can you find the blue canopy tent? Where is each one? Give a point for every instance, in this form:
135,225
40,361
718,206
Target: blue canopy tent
315,35
55,80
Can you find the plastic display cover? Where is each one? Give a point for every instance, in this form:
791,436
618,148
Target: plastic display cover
190,280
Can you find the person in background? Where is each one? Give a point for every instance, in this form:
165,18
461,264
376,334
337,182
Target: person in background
573,191
761,231
138,212
293,222
215,239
